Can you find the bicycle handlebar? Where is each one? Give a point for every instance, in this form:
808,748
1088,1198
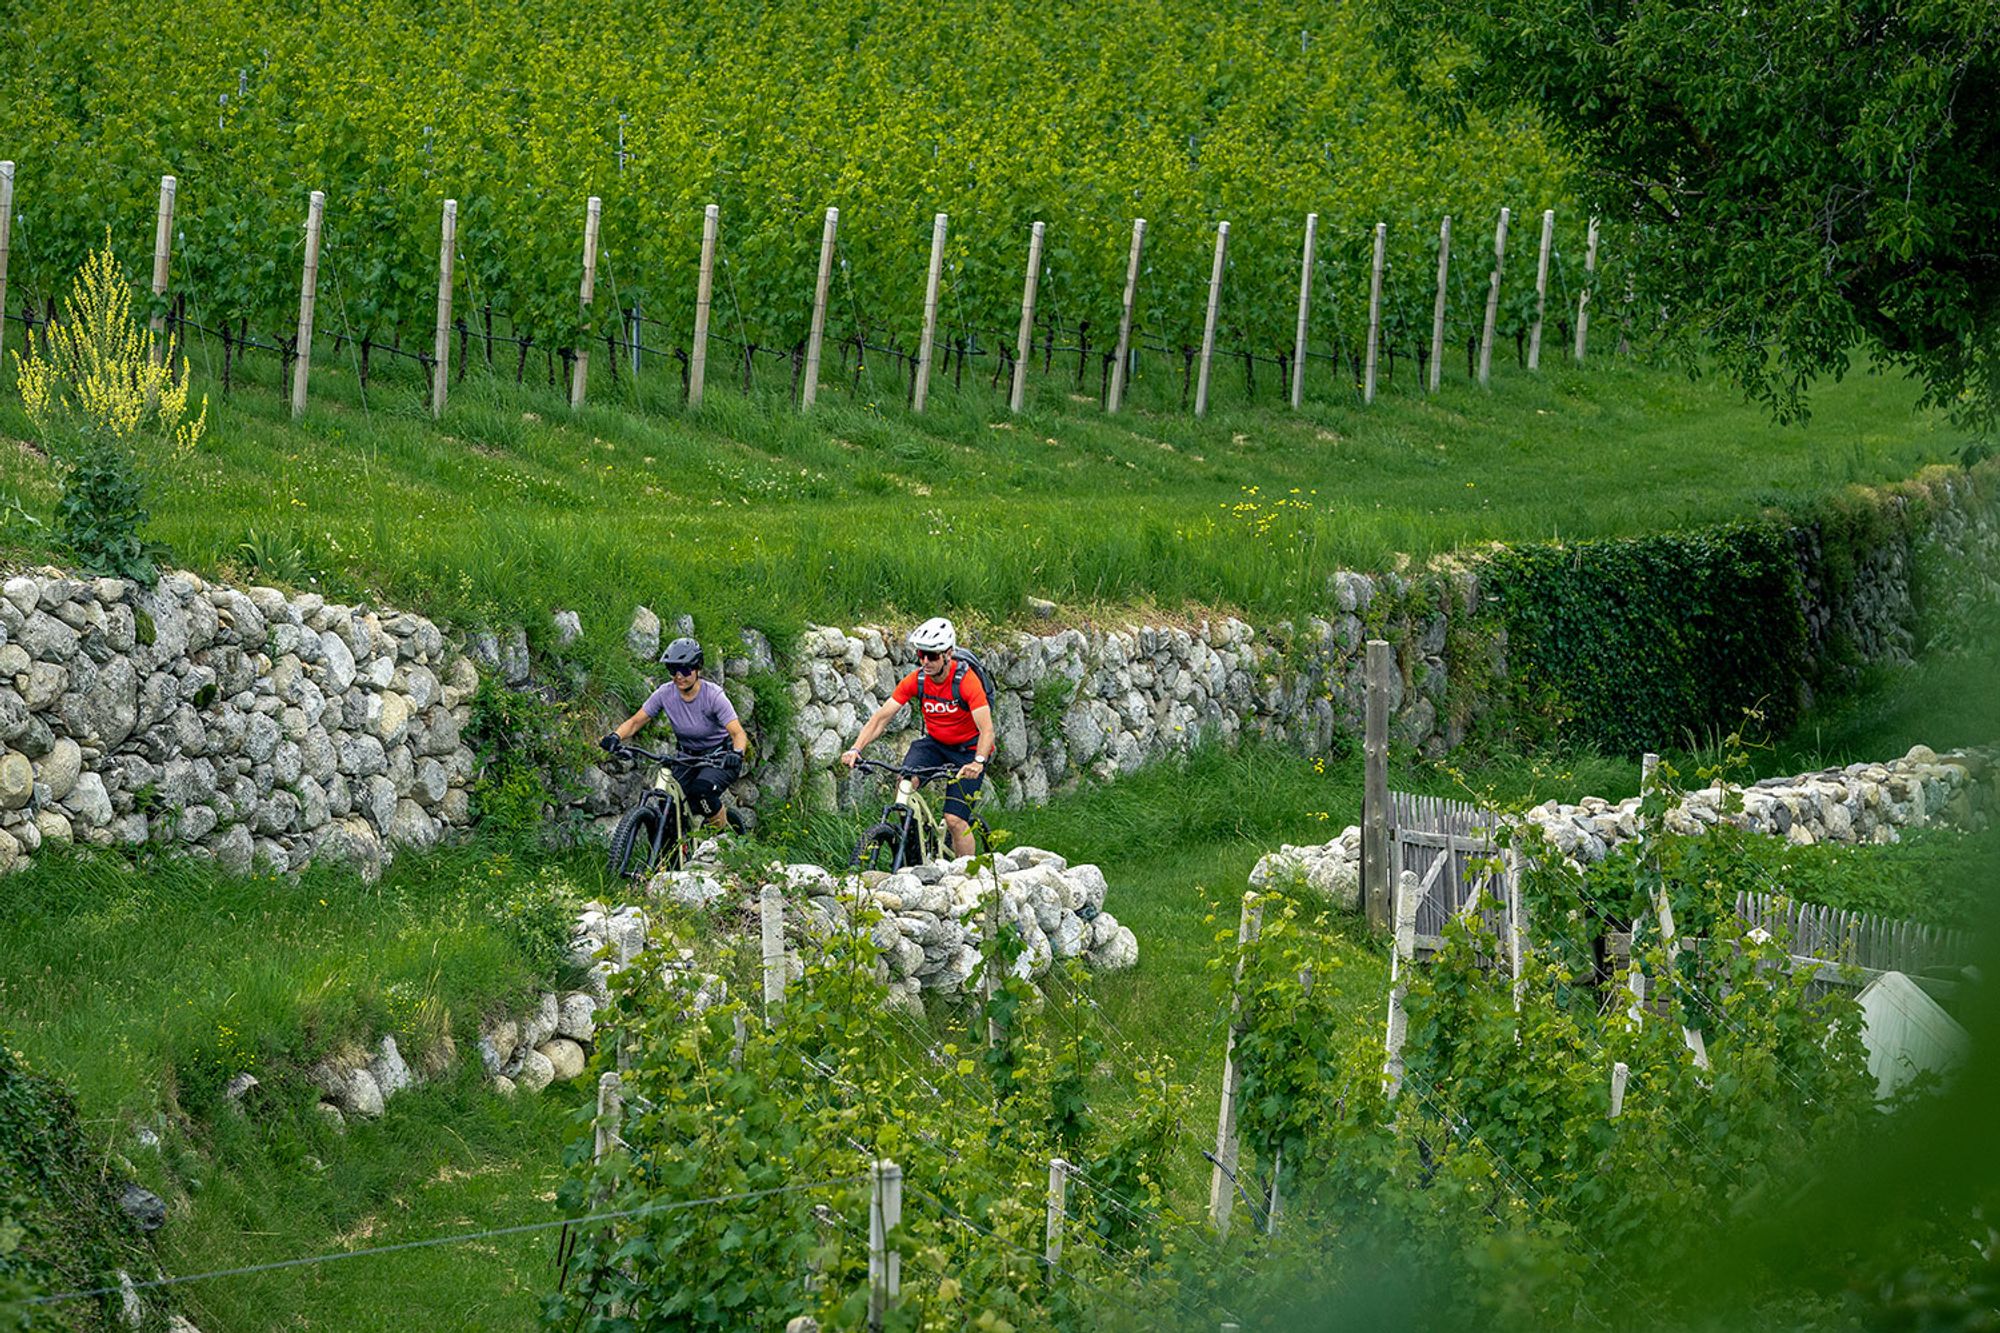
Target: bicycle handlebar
920,774
629,750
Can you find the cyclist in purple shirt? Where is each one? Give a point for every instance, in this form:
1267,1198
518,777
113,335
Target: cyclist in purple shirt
704,723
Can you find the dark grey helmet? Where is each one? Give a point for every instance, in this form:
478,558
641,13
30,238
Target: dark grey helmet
682,653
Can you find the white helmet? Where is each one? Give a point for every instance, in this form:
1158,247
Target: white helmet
934,636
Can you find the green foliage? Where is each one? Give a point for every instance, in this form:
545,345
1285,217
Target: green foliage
1036,112
1804,178
531,752
808,1102
537,913
102,512
1642,642
60,1229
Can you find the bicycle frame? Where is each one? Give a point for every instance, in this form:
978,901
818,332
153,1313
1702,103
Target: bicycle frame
911,809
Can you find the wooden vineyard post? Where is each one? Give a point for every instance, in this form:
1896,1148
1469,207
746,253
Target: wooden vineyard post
1619,1074
1116,394
1024,341
809,390
885,1214
704,299
1208,324
308,297
929,340
441,344
6,234
1222,1179
1541,288
771,913
610,1107
1493,299
1517,925
1058,1209
1305,309
1376,873
163,248
1663,908
1437,310
579,374
1374,312
1583,297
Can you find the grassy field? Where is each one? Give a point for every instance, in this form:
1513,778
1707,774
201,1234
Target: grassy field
749,513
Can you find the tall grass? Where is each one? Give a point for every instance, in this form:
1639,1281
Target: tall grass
749,513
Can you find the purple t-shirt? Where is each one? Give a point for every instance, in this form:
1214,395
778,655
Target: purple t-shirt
701,723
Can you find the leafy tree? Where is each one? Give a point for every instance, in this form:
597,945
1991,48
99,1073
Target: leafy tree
1804,177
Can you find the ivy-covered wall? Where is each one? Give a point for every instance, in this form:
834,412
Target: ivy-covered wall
1642,643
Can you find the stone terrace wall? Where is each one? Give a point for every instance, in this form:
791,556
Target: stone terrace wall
247,726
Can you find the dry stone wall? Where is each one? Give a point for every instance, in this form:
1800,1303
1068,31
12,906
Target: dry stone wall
1857,804
239,724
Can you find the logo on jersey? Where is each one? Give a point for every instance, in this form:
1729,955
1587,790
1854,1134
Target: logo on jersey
939,707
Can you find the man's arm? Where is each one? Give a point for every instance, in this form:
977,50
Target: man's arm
982,717
877,722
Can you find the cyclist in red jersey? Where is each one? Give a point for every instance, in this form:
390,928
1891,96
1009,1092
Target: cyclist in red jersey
958,724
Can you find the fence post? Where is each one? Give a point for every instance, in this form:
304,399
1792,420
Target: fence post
163,246
885,1214
1493,299
1208,325
1583,297
579,375
1222,1179
1619,1073
441,343
1517,926
1374,312
771,908
989,980
1437,311
308,296
803,1323
1402,956
1663,908
6,234
1117,391
809,390
929,340
1274,1201
1024,341
633,338
1376,873
704,298
1058,1209
610,1108
1541,288
1305,308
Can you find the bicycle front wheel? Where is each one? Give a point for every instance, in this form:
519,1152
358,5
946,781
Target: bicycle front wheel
631,855
880,848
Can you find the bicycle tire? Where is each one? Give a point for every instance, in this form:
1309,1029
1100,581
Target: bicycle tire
880,848
631,853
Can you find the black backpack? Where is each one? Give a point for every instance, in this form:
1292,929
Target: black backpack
963,660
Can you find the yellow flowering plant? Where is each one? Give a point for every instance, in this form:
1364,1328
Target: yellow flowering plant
106,400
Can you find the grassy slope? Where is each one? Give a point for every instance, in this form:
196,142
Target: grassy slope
750,513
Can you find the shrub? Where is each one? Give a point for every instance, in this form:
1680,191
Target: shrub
104,396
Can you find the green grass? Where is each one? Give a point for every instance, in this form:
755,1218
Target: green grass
148,987
750,513
450,1159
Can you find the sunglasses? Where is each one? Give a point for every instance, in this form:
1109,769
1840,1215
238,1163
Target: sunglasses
687,671
929,657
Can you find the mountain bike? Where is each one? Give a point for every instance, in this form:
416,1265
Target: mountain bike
661,830
909,833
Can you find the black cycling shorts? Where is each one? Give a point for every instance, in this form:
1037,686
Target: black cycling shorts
960,794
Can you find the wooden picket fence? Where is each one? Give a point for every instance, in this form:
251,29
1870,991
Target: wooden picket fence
1449,846
1853,948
